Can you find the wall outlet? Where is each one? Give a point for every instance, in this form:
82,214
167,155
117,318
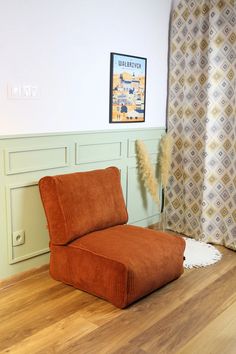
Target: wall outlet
18,238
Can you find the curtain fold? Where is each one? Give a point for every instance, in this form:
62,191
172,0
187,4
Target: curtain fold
201,196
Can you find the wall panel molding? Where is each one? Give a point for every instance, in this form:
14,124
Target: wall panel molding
151,144
23,203
21,160
25,159
99,152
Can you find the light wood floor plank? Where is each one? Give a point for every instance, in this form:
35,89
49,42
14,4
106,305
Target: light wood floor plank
55,337
190,315
218,337
42,311
141,316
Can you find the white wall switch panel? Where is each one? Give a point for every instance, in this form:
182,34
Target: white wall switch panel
22,92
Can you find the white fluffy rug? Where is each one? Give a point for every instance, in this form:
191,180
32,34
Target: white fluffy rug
199,254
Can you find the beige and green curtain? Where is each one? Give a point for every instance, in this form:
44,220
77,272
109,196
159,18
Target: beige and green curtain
201,196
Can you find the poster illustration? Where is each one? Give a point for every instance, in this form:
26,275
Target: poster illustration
127,88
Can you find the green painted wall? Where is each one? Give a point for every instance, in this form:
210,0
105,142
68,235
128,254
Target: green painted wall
25,159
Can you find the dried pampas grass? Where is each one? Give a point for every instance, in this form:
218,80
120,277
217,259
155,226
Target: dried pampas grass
166,146
146,170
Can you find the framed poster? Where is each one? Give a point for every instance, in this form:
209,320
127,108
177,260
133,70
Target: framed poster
127,88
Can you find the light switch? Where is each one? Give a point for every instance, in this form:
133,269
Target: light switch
22,92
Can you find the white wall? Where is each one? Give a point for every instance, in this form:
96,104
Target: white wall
63,47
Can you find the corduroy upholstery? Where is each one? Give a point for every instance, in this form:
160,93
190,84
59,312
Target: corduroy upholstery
94,250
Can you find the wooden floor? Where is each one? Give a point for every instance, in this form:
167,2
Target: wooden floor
195,314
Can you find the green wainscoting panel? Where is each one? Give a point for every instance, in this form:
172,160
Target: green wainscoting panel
35,159
98,152
139,202
24,159
151,144
26,213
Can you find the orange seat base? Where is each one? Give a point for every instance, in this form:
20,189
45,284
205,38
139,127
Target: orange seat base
120,264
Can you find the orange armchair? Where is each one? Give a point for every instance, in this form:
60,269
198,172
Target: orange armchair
92,247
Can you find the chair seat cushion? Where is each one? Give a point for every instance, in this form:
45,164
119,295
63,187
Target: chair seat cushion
120,264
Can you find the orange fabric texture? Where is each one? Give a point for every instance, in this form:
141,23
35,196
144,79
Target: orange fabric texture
120,264
92,248
81,202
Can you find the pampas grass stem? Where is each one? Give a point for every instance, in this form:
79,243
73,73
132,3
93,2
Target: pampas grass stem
166,146
146,171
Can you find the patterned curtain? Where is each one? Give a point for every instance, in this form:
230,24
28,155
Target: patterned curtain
201,196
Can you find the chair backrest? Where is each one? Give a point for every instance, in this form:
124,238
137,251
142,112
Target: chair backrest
78,203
